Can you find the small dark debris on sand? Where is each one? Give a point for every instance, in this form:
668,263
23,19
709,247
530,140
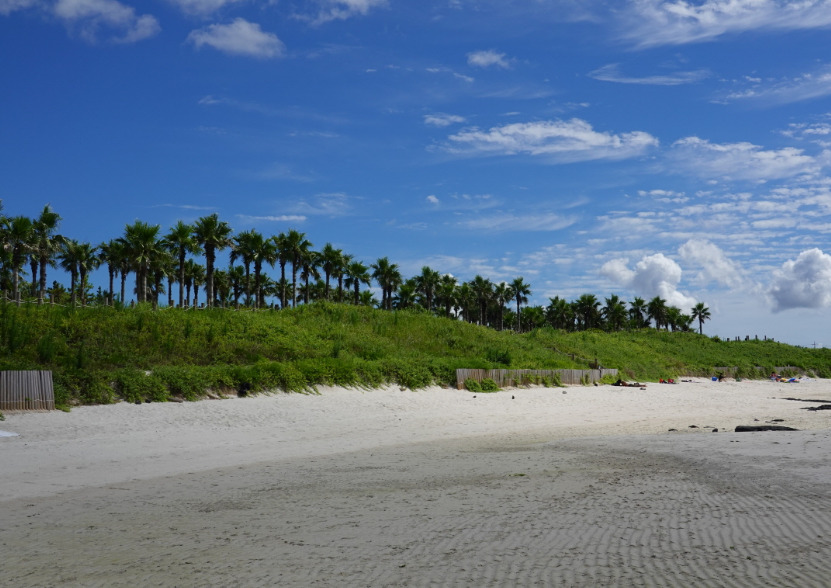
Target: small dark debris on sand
805,400
754,428
820,407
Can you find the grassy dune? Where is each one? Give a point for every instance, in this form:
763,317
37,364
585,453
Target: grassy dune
100,354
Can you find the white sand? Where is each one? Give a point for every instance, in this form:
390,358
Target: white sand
390,487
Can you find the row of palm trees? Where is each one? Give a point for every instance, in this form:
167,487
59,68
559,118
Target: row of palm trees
159,261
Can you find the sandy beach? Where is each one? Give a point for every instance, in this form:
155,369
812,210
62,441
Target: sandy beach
583,486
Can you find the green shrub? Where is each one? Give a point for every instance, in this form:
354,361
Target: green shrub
473,385
135,386
488,385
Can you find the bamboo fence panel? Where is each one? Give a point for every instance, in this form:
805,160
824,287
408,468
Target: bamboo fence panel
29,390
504,378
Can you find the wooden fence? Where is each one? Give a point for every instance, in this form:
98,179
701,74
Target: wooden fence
26,391
505,378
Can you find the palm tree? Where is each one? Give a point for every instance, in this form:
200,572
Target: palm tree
521,292
701,313
141,244
656,310
356,274
340,271
406,295
330,259
194,277
637,311
446,293
87,260
241,249
68,261
180,239
614,312
673,319
388,277
111,253
588,310
283,256
295,245
47,245
502,295
236,279
483,289
222,287
465,299
428,280
162,265
213,235
309,264
534,316
19,237
560,314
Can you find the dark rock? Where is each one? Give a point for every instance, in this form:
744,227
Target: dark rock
138,401
147,400
474,395
512,397
754,428
243,389
820,407
715,430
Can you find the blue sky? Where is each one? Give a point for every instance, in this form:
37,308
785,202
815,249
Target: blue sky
643,148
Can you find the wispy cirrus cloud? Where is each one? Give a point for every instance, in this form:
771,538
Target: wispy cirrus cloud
519,222
807,86
556,141
648,23
202,7
280,218
240,37
611,73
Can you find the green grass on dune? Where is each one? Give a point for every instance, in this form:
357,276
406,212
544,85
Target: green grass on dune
99,354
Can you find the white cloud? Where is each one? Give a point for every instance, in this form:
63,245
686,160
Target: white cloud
432,199
201,7
740,161
654,275
467,79
661,22
611,73
289,218
442,120
239,38
714,263
510,222
9,6
88,18
330,204
802,283
343,9
804,87
559,141
488,58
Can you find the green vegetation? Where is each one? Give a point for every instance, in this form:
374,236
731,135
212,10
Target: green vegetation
100,354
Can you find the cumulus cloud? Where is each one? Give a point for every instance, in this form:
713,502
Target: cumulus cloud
343,9
559,141
201,7
442,120
714,263
489,58
740,161
611,73
654,275
432,199
9,6
91,19
239,38
802,283
661,22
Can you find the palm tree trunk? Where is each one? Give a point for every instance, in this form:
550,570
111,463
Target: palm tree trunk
123,283
196,296
282,284
357,292
16,280
518,319
72,278
33,264
327,285
248,283
170,291
340,288
210,257
181,276
42,294
111,270
258,269
294,284
83,287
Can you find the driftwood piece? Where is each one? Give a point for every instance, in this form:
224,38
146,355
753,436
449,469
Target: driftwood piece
754,428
